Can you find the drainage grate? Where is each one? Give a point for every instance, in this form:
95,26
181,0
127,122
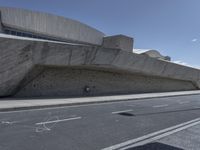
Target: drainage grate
126,114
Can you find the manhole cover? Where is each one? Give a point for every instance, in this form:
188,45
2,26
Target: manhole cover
126,114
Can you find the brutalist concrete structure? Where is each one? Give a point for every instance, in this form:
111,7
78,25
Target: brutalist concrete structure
47,55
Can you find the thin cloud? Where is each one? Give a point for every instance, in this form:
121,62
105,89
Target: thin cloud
194,40
180,62
185,64
139,51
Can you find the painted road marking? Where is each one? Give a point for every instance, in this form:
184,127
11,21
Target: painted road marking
131,105
122,111
157,106
9,122
58,120
186,102
153,136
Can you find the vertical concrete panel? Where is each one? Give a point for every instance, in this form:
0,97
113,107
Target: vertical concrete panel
105,56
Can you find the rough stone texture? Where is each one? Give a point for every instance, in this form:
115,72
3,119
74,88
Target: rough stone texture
50,25
62,81
21,56
118,42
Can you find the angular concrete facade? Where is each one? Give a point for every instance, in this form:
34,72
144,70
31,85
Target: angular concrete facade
36,67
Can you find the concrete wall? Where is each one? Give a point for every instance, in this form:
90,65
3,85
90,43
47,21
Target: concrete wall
113,59
50,25
15,63
20,56
62,81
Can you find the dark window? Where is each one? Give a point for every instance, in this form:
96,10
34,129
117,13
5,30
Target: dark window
19,34
24,34
13,32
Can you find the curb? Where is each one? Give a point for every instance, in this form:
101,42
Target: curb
105,99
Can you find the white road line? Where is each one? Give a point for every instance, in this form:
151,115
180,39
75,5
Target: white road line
153,136
122,111
9,122
131,105
157,106
183,102
55,121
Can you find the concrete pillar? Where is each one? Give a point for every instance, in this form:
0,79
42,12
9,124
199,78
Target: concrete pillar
118,42
1,28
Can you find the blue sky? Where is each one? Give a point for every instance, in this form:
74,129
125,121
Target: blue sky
170,26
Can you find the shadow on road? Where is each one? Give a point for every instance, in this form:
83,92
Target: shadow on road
155,146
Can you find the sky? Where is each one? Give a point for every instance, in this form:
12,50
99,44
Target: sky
169,26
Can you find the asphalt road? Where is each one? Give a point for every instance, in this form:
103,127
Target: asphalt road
94,126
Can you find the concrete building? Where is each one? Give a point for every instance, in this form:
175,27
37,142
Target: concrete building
47,55
152,53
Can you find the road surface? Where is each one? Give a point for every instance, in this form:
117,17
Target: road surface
93,126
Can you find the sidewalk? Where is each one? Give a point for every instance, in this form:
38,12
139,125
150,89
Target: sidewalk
11,104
